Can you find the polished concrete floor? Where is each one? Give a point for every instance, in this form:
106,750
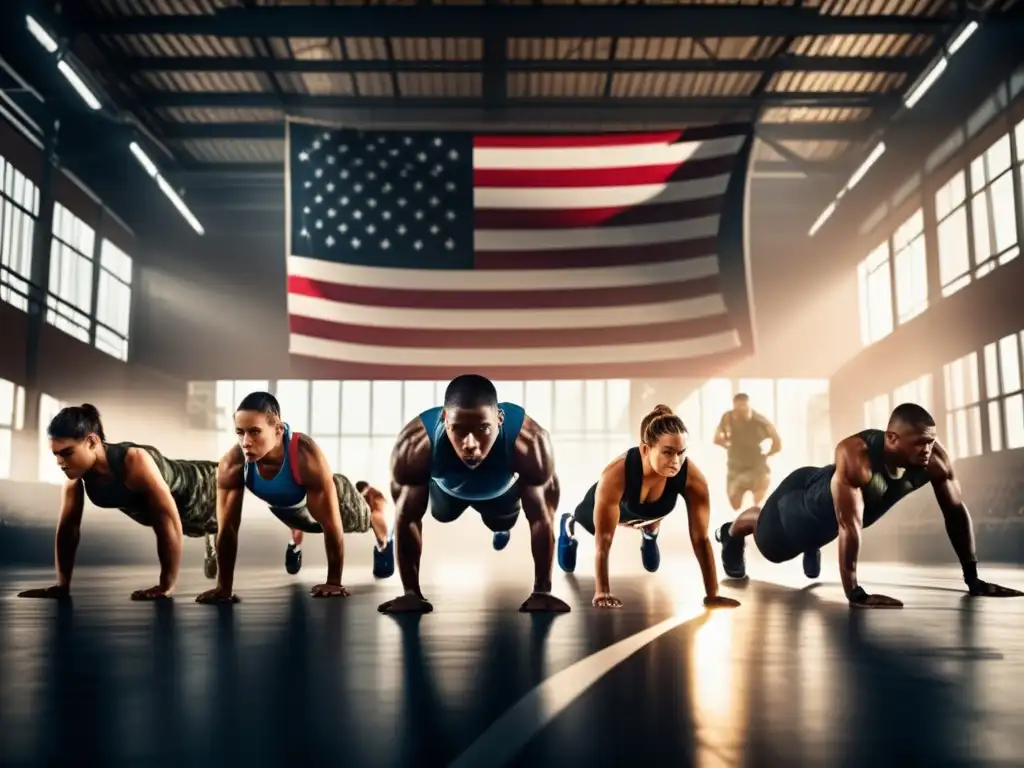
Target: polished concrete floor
791,678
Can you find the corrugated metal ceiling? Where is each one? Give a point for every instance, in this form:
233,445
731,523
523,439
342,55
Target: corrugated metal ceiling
397,56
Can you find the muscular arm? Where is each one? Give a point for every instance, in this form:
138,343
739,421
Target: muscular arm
410,474
322,503
535,463
610,488
143,475
230,494
69,527
954,511
722,431
698,509
853,471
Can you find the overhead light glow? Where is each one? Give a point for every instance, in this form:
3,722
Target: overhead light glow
925,84
39,33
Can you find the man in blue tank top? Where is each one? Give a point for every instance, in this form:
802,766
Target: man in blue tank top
291,474
874,469
474,452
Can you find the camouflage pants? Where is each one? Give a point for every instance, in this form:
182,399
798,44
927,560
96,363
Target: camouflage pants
355,512
193,485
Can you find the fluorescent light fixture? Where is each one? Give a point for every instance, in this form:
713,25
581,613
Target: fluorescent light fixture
144,160
861,172
78,84
962,37
45,38
925,84
822,219
168,190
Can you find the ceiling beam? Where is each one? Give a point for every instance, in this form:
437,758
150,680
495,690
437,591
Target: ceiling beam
270,64
512,21
850,131
237,100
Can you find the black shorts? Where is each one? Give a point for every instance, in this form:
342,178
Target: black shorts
786,528
498,514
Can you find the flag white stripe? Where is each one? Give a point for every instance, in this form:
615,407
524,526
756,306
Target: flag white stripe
503,279
571,198
413,356
620,156
505,319
594,237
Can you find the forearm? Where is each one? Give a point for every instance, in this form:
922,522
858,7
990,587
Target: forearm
961,536
542,544
775,447
849,550
334,543
168,550
227,552
706,558
65,549
409,545
602,555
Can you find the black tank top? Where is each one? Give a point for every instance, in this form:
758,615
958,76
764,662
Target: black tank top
186,481
633,513
882,491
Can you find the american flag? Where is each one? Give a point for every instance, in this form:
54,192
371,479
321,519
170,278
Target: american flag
425,254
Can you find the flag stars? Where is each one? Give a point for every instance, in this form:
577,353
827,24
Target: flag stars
386,215
304,232
434,202
331,213
331,159
453,155
418,186
357,187
422,157
343,201
318,199
317,144
319,224
330,241
450,215
449,186
371,229
385,244
355,242
318,172
449,244
419,215
401,229
330,186
418,245
343,228
438,142
303,157
434,229
357,214
344,174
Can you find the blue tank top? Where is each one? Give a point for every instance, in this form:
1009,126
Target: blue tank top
283,490
493,477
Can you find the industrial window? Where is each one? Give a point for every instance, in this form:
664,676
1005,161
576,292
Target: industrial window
877,411
993,209
963,408
1003,393
911,268
954,248
114,301
19,209
875,281
917,391
12,417
69,301
49,472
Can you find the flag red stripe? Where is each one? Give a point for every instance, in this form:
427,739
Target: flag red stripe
612,216
509,339
555,140
580,258
706,366
525,300
544,178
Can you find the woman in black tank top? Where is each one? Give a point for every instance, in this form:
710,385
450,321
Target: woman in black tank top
638,490
77,440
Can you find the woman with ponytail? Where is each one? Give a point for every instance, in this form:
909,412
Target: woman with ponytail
174,498
638,490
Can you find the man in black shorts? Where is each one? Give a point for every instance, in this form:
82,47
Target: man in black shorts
874,469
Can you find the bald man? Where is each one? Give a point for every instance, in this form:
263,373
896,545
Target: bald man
873,470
